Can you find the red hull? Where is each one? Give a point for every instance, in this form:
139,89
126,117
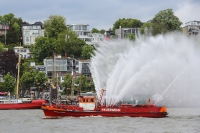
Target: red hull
35,104
125,110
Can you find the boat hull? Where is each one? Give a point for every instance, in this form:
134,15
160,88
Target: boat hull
152,112
35,104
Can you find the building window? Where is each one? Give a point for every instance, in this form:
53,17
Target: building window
27,33
27,39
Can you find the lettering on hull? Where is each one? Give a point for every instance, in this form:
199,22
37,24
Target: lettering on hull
109,109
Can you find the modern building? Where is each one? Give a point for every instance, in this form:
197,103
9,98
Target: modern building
83,33
59,67
122,32
31,31
82,66
192,28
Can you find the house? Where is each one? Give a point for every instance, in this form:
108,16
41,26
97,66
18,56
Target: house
3,29
24,52
192,28
122,32
83,67
59,67
31,31
83,33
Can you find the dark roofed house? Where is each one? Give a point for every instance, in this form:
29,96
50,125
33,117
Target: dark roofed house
31,31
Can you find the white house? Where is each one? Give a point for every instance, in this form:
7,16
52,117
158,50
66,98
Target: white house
24,52
31,31
192,28
83,33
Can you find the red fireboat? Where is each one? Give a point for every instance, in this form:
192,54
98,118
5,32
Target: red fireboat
88,106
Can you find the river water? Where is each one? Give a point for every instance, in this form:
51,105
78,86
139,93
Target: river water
179,120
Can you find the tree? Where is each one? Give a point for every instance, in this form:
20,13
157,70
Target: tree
14,32
91,85
1,47
82,83
69,43
87,51
165,21
40,79
12,36
9,82
44,47
102,31
27,80
127,23
94,30
7,19
130,37
67,83
146,28
32,78
8,62
54,25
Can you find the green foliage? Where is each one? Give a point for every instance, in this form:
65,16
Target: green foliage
9,82
87,52
68,42
146,28
11,46
27,79
1,47
54,25
127,23
44,47
82,83
67,82
102,31
7,19
130,37
32,78
13,34
40,79
165,21
94,30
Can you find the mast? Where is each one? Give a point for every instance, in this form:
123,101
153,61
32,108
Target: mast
18,73
80,85
72,79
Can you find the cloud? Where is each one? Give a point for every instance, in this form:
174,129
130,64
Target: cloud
98,14
188,11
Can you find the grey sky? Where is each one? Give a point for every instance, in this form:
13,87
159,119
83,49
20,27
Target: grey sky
100,14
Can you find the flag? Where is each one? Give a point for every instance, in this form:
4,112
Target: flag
65,55
5,27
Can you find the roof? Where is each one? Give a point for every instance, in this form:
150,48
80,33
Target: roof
36,23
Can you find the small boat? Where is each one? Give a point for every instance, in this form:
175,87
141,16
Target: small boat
6,103
88,106
17,104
